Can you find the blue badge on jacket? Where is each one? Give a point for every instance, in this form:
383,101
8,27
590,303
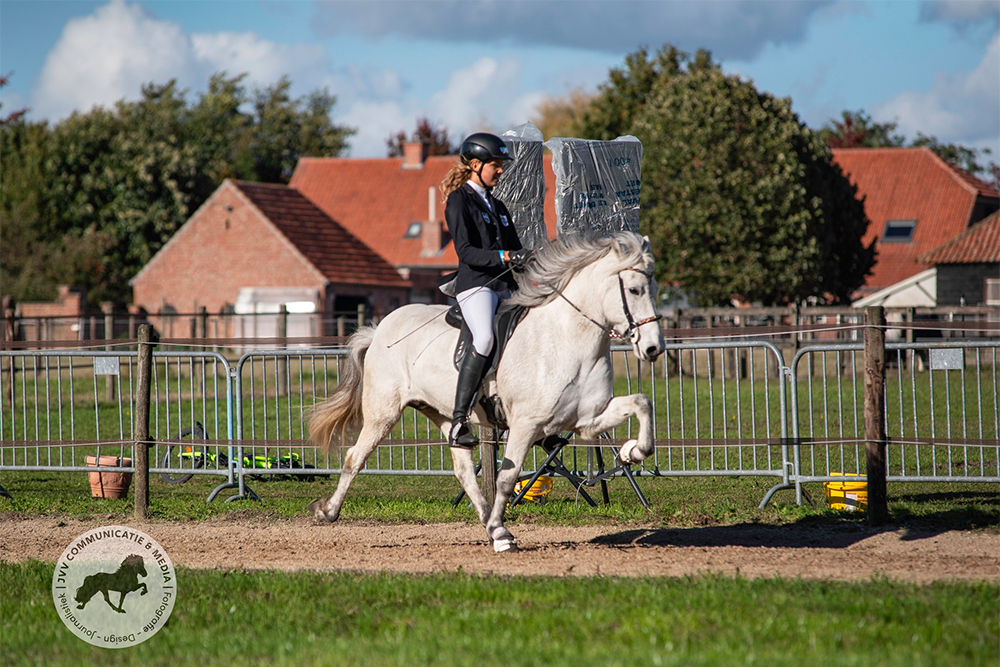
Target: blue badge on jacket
486,217
503,219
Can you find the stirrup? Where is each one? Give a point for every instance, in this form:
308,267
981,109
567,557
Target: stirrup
461,436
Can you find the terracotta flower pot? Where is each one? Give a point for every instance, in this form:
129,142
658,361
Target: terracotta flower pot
109,484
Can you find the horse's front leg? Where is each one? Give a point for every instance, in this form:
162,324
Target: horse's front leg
617,411
518,443
465,471
144,591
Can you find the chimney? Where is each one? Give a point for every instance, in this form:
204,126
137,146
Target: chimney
430,233
414,154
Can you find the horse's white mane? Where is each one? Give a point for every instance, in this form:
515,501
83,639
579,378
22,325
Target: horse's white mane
555,263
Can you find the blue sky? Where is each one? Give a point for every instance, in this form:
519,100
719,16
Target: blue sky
932,67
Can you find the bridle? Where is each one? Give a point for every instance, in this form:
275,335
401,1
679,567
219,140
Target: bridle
633,326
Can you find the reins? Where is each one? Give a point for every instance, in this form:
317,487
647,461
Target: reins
633,326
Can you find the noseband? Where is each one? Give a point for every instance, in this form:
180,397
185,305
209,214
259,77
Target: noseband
633,326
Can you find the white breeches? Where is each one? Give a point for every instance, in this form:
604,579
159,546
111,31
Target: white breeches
478,305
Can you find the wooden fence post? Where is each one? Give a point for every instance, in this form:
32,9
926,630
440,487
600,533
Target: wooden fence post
109,333
875,445
145,365
281,363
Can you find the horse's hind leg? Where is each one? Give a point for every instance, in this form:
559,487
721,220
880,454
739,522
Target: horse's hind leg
371,434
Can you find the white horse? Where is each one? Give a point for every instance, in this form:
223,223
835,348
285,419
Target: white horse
555,374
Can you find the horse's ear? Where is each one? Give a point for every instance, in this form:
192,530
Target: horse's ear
646,245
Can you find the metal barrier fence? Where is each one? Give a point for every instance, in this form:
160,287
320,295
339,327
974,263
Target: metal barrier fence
942,415
720,408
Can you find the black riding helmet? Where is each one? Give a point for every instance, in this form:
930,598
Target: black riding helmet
485,147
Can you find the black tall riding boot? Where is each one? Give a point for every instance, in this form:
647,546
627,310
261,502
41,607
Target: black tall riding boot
470,375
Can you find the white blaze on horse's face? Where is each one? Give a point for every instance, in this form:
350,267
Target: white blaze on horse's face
641,324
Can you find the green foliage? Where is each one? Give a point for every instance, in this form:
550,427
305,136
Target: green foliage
91,199
855,129
966,158
739,197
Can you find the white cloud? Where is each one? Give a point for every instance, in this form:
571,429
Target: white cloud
110,54
264,61
107,56
961,109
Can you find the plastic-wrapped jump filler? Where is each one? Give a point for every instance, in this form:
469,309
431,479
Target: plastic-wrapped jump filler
522,187
597,185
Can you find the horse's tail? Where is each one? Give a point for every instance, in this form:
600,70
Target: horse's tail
343,409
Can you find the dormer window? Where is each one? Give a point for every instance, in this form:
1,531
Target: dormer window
898,231
413,230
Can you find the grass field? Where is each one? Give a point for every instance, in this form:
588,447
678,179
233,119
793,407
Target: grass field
276,618
689,501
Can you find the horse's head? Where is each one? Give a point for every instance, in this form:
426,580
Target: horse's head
629,298
134,563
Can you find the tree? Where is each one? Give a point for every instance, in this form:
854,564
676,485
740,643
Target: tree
94,197
15,115
855,129
433,137
963,157
561,116
612,112
740,198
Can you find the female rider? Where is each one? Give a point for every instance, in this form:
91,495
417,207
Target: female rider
487,246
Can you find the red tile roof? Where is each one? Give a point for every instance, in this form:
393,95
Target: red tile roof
910,184
376,199
333,250
979,244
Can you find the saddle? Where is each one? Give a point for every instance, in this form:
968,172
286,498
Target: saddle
506,319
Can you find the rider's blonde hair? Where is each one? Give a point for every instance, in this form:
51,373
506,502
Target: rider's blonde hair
454,179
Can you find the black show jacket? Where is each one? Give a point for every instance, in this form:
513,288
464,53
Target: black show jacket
479,235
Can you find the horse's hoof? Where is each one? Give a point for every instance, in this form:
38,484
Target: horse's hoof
316,508
503,541
630,453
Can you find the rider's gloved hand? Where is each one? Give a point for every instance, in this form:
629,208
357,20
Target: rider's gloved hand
518,258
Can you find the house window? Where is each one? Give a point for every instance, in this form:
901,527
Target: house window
898,231
992,292
413,231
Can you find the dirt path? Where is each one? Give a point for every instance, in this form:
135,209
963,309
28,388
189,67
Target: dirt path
845,552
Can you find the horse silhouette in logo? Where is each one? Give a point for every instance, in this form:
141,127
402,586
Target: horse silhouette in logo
124,581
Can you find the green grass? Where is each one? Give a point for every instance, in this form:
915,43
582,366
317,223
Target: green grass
673,501
277,618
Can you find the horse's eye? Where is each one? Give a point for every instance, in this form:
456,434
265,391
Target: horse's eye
634,290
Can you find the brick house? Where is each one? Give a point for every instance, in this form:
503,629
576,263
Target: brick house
916,202
968,266
259,244
394,206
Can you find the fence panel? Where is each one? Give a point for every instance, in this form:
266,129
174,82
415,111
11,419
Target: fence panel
58,407
941,411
